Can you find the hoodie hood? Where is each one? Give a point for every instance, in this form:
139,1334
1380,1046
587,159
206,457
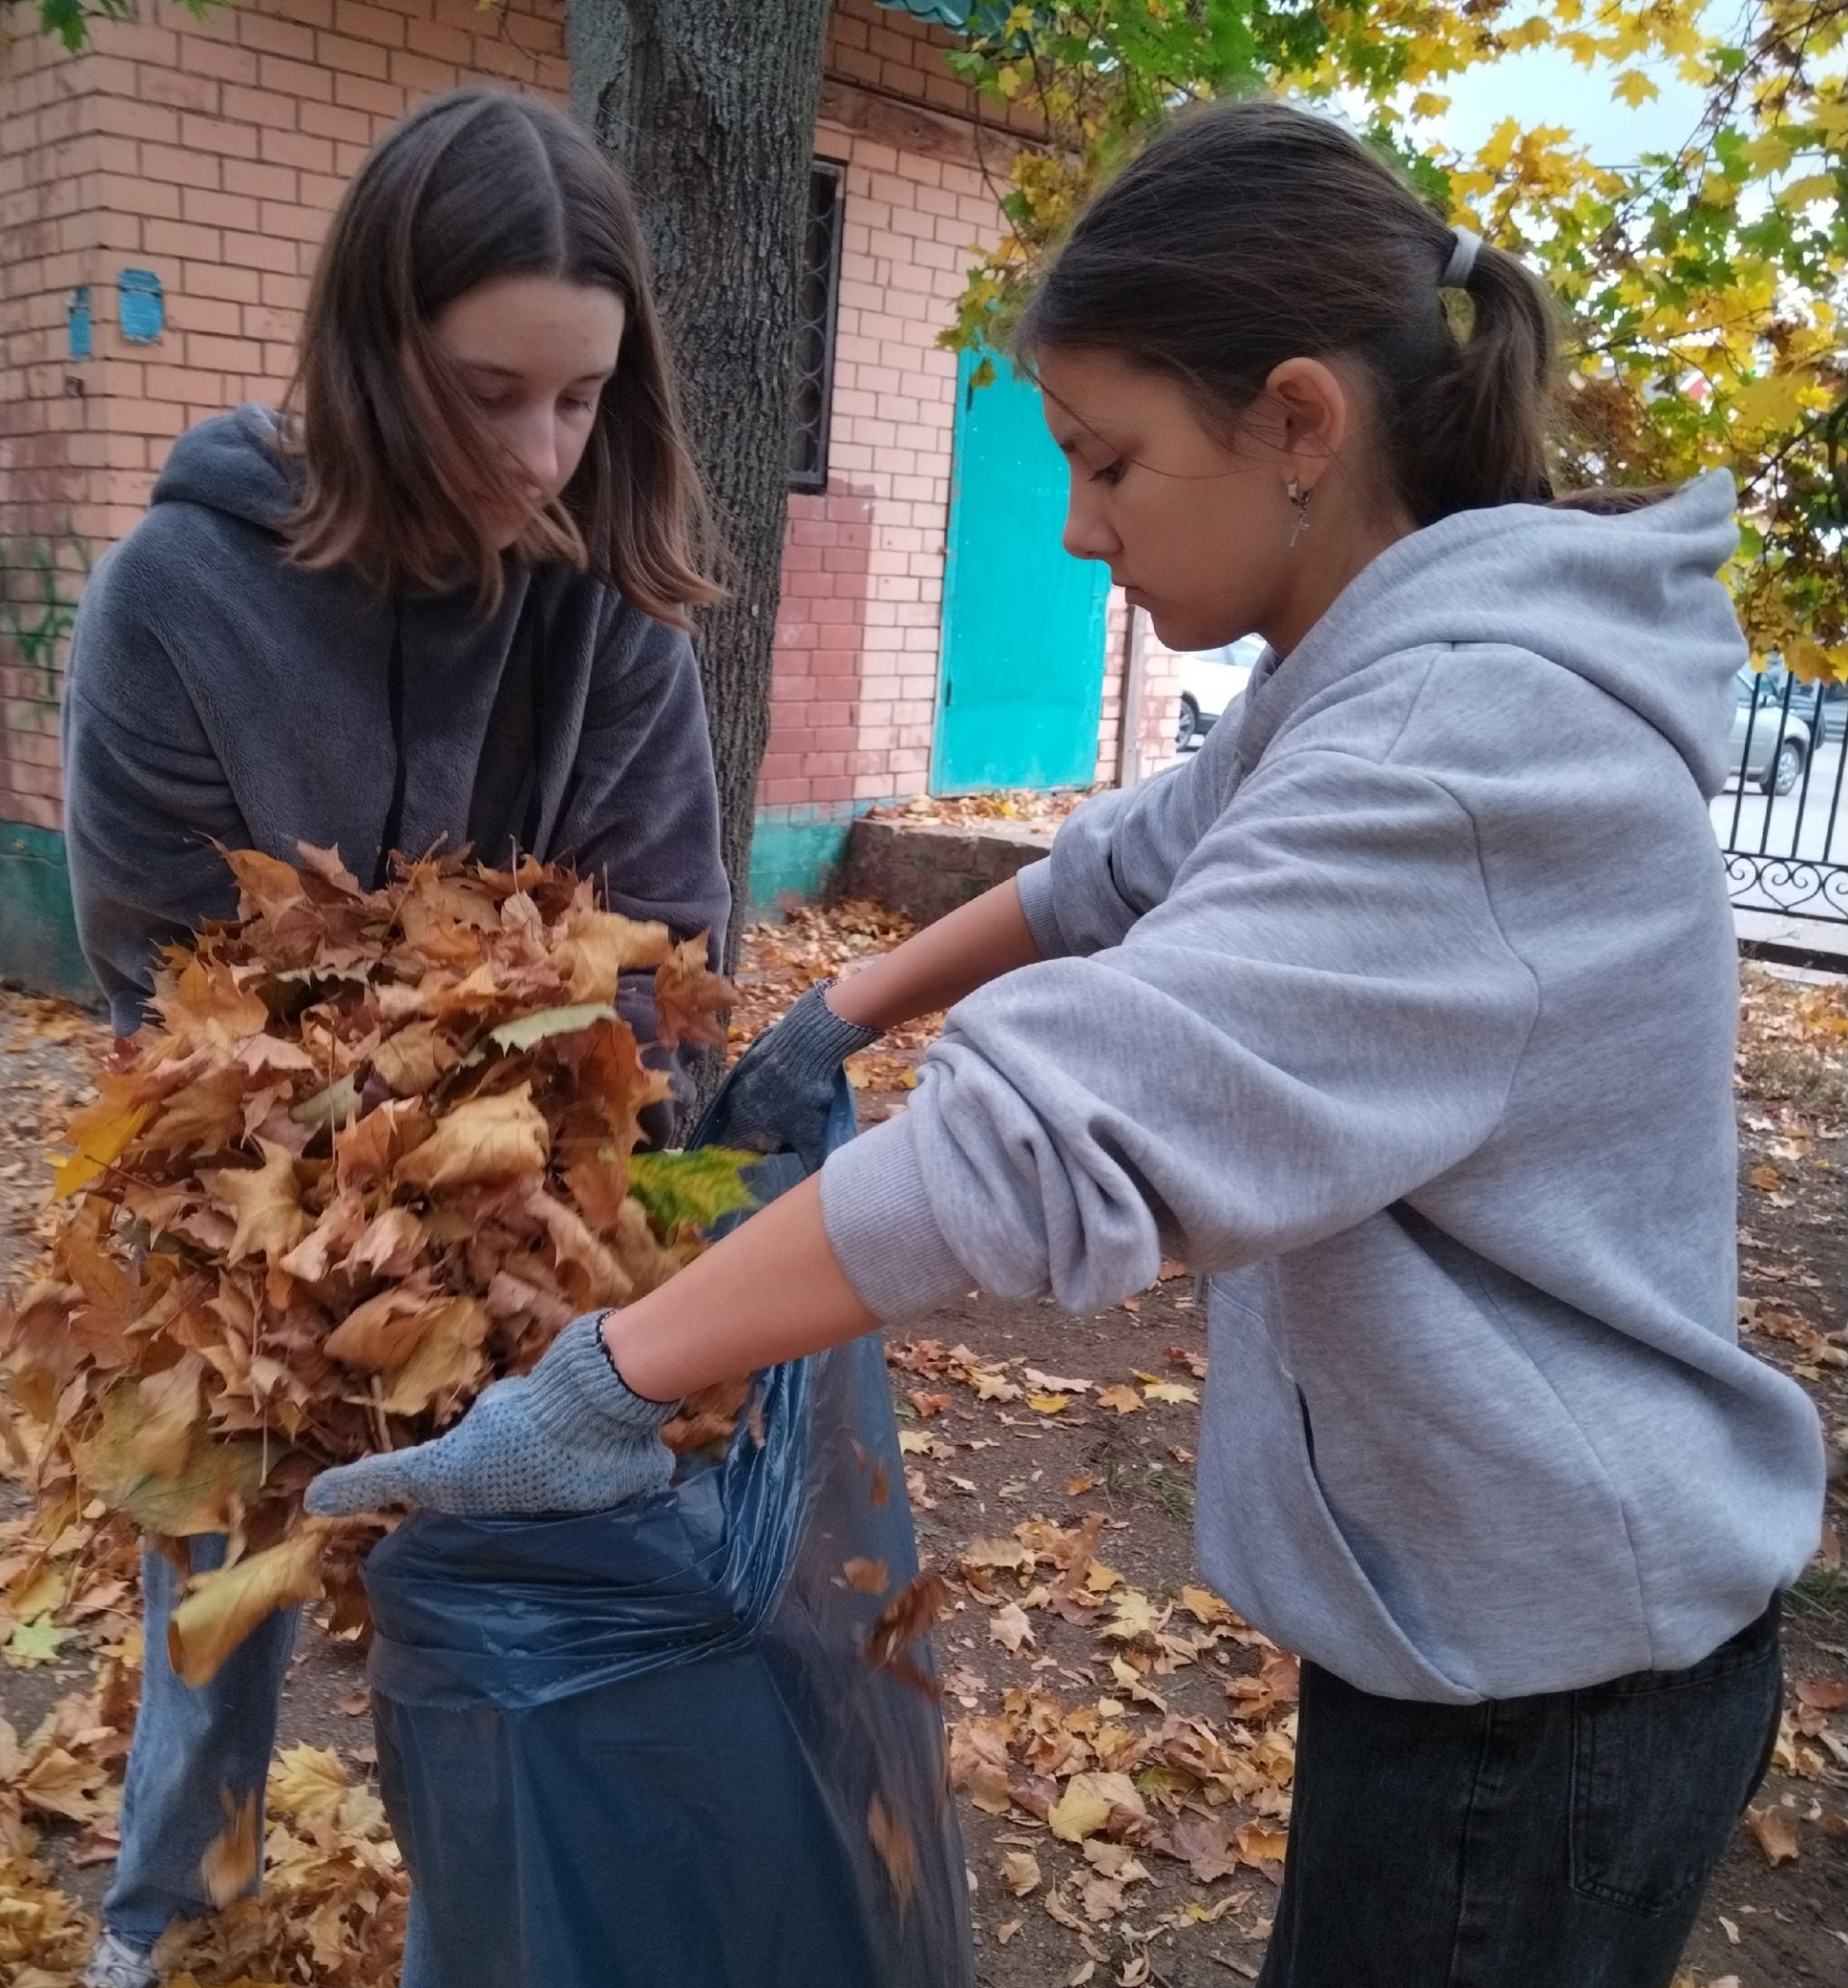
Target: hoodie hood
1631,602
231,463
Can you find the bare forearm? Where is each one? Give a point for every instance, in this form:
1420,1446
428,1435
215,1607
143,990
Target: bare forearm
975,943
773,1290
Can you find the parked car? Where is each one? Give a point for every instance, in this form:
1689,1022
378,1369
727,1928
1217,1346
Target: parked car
1822,707
1210,680
1770,744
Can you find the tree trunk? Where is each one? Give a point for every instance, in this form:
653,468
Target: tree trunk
709,105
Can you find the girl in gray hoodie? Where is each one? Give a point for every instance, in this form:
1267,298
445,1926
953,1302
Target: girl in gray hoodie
444,603
1406,1011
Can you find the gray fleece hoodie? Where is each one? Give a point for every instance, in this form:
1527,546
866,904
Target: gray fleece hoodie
216,691
1406,1008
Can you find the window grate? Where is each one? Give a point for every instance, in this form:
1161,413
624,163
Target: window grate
818,286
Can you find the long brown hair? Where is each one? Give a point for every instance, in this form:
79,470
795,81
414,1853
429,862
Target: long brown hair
398,468
1252,232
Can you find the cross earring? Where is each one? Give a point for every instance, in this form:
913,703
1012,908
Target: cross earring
1299,499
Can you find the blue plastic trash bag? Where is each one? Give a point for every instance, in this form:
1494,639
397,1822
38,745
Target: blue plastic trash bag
647,1749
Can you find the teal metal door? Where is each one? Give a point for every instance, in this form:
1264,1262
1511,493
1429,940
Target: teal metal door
1023,676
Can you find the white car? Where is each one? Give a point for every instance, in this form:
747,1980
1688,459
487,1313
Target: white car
1210,680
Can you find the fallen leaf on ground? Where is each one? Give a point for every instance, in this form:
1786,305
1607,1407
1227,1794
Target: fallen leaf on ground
307,1782
1021,1870
1773,1834
1009,1627
1261,1846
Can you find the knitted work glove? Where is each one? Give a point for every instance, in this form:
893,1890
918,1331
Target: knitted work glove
569,1437
784,1087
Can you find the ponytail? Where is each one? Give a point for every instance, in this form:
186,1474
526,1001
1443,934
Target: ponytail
1472,431
1252,232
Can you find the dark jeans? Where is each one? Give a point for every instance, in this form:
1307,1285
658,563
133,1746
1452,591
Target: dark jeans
1553,1842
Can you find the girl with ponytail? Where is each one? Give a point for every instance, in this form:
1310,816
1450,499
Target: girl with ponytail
1404,1011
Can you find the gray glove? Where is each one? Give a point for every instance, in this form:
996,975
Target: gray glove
782,1089
569,1437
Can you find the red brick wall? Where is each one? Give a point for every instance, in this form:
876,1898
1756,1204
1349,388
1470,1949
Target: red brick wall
211,152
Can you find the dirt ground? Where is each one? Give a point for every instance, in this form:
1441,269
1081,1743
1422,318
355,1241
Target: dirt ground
1051,1471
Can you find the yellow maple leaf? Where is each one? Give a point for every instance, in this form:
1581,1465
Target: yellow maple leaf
1634,88
1049,1404
1769,153
1136,1615
449,1355
266,1203
1770,402
493,1138
101,1140
1086,1803
307,1782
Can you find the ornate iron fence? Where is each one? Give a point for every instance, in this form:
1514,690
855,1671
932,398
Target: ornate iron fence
1782,820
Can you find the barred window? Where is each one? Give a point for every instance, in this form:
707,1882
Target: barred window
819,282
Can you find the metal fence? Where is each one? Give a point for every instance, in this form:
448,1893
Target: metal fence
1782,820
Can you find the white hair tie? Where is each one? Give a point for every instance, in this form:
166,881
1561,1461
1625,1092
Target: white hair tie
1456,272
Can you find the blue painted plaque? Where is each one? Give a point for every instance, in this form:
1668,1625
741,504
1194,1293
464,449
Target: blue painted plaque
141,309
77,322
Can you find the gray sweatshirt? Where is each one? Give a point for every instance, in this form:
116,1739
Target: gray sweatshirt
1406,1009
216,691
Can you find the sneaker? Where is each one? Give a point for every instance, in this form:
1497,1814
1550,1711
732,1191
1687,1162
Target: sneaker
116,1964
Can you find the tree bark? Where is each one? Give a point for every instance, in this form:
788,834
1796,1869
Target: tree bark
710,106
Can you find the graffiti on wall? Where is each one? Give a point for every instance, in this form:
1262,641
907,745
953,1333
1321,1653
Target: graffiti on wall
39,602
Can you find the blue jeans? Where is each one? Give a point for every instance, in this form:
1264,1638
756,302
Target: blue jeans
1562,1841
193,1750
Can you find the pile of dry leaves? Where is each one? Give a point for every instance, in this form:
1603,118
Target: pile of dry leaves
1038,809
378,1147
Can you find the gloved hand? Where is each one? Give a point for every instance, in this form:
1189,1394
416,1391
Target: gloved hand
784,1087
569,1437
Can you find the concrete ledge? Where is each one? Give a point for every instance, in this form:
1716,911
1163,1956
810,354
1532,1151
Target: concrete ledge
1820,944
925,870
795,856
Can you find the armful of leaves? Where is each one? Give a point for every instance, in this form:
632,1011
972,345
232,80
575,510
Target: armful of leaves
376,1148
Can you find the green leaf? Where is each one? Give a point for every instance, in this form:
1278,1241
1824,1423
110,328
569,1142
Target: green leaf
697,1187
336,1105
33,1642
551,1022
